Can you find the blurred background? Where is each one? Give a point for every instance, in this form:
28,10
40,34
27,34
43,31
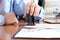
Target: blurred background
50,6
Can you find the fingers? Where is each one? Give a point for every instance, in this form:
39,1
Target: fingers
28,8
37,10
24,16
32,8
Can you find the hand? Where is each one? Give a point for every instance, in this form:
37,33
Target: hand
10,18
33,9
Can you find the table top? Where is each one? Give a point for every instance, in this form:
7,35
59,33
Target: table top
7,31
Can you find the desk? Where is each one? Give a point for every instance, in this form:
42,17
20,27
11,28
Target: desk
6,32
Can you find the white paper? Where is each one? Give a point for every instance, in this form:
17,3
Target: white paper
56,20
37,33
42,26
40,31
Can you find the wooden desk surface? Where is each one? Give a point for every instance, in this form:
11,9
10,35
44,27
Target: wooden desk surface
6,32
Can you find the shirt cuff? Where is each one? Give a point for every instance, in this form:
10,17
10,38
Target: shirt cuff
37,19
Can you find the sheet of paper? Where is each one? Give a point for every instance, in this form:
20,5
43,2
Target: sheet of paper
42,26
53,21
37,33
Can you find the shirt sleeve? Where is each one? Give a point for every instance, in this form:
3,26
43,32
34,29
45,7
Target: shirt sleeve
8,6
42,13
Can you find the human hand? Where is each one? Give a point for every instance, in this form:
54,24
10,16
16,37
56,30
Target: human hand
10,18
32,9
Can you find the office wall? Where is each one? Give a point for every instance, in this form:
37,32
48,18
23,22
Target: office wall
50,4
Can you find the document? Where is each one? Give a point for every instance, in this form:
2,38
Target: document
37,33
43,26
40,31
